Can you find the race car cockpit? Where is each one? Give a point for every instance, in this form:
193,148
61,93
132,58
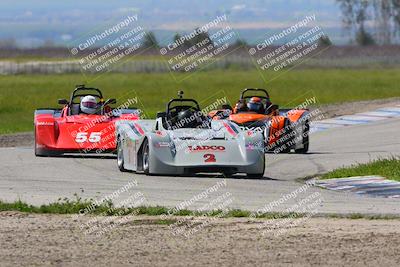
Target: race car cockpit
80,92
183,113
255,100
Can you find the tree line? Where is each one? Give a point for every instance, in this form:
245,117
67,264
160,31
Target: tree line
371,21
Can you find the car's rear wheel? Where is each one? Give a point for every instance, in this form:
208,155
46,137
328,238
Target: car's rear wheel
257,175
146,157
306,139
120,155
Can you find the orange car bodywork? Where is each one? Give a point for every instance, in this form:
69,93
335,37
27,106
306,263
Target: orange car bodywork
277,124
284,129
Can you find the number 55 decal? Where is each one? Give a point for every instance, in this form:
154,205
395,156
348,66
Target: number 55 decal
83,137
209,158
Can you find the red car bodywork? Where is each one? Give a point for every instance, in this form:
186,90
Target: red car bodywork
59,131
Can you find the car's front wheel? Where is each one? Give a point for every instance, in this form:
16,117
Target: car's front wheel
120,155
146,157
306,139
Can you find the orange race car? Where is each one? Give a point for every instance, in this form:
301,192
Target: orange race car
284,129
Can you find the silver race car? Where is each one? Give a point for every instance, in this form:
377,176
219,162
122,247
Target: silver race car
182,141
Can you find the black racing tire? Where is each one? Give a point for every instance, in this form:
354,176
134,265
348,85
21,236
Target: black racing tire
120,156
38,152
289,130
306,140
41,152
257,175
146,157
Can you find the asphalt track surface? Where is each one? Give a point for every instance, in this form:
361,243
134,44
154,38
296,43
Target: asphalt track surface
43,180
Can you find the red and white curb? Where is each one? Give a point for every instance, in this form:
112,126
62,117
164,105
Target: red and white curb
363,185
356,119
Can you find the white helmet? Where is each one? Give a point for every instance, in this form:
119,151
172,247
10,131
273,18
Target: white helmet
88,104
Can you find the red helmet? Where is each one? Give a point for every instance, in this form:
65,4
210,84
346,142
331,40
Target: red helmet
255,104
255,99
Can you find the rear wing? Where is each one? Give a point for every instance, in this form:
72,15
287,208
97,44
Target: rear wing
56,112
80,88
134,129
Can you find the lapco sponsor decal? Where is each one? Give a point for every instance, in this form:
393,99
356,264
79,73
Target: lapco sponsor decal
206,148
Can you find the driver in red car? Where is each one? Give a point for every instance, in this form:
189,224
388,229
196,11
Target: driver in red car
88,105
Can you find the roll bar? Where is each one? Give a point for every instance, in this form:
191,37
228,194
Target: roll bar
83,88
181,100
242,94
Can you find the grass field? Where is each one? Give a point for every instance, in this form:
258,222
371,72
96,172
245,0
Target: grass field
389,168
76,206
20,95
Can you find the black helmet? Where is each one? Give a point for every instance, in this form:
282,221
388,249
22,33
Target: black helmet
186,119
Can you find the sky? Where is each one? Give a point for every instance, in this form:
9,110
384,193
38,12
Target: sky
31,22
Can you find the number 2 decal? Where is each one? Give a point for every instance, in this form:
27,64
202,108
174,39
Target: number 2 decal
209,158
83,137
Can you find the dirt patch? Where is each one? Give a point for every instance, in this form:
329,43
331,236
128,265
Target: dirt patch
329,111
17,139
40,239
349,108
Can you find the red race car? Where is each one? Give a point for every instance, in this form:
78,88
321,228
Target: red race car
85,124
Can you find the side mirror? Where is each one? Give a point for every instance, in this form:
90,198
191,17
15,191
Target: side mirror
227,106
274,107
63,101
161,114
271,109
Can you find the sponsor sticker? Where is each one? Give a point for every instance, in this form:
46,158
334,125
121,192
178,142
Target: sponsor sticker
44,123
206,148
161,144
